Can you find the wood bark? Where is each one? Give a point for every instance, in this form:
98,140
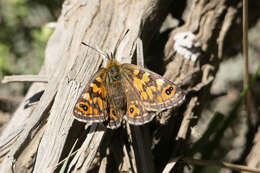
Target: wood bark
42,130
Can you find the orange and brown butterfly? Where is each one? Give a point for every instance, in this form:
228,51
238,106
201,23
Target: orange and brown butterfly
125,91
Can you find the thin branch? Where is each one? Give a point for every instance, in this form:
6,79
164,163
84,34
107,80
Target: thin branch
187,118
220,164
25,78
246,64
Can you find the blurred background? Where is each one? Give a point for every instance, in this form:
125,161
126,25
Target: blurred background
25,27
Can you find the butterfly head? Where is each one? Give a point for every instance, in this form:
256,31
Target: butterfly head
112,65
106,56
110,57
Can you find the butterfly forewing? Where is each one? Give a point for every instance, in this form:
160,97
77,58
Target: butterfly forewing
154,92
92,104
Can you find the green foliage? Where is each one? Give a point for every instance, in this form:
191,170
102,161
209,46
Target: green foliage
65,164
23,34
5,64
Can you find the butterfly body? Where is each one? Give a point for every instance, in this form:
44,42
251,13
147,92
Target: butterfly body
125,91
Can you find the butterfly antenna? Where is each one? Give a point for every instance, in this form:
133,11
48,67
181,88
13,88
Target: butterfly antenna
120,39
103,54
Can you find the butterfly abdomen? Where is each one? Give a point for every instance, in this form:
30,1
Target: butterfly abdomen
116,94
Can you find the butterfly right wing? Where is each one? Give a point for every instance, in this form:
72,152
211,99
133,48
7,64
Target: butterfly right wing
155,92
136,113
92,104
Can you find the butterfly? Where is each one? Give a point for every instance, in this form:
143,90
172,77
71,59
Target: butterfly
125,92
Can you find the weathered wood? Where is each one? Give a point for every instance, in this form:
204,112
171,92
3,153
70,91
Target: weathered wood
194,52
24,78
98,23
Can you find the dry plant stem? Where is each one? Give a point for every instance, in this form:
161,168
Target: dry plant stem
127,161
61,162
131,151
182,133
246,64
139,52
25,78
141,134
169,167
219,164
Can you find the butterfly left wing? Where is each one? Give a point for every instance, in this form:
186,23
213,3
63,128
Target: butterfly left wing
154,92
92,104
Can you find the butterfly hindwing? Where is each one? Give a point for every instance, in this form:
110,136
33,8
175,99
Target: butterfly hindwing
92,105
114,118
154,92
136,113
